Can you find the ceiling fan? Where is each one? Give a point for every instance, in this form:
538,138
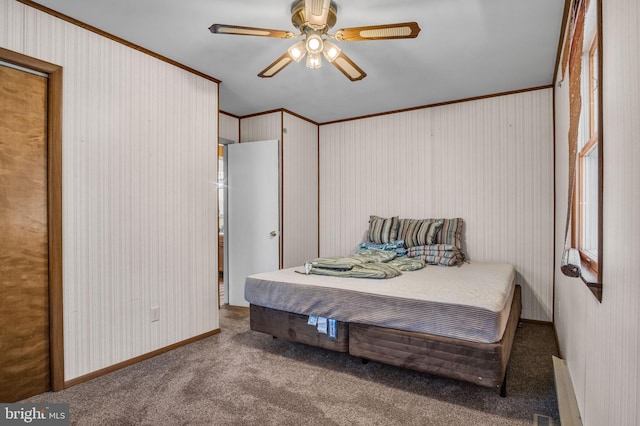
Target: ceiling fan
314,18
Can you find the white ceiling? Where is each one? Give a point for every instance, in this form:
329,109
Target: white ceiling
466,48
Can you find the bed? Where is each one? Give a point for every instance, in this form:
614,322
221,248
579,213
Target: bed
457,322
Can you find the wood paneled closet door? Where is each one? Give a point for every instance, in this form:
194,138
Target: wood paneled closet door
24,277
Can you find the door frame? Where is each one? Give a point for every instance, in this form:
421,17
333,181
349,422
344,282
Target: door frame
54,205
228,217
224,142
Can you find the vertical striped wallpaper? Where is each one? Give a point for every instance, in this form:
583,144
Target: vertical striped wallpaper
229,127
139,204
488,161
601,341
261,127
300,191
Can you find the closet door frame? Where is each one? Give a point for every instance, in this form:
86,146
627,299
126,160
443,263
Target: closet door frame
54,205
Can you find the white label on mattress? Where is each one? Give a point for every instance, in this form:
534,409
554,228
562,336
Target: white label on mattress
322,325
313,320
333,329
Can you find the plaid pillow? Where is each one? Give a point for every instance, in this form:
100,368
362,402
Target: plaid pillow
438,254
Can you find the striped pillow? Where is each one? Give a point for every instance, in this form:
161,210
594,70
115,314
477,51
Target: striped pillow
451,232
383,230
420,232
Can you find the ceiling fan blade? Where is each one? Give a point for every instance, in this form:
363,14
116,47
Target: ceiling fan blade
348,67
317,11
379,32
250,31
276,66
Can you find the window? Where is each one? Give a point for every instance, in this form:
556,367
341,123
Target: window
588,165
585,139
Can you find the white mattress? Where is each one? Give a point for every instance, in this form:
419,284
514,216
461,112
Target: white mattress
469,302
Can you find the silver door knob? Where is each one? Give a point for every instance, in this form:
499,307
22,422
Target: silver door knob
273,233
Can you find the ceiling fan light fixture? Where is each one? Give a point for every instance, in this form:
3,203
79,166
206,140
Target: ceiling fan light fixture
297,51
314,43
330,51
314,60
313,19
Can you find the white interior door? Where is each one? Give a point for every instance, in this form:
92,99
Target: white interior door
253,215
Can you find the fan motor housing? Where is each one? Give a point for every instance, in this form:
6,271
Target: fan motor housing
299,19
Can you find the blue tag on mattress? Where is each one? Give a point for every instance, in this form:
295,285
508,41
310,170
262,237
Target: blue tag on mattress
313,320
322,325
333,328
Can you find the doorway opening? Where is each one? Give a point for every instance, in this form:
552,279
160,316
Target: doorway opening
221,209
223,234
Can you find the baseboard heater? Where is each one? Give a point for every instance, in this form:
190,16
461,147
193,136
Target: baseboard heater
567,403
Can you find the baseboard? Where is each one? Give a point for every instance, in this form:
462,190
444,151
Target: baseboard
532,321
555,333
567,403
123,364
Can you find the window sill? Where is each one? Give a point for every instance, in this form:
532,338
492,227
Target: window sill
590,278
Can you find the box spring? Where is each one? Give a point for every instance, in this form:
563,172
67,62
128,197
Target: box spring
294,327
484,364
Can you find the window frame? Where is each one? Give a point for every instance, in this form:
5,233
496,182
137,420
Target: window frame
589,261
591,267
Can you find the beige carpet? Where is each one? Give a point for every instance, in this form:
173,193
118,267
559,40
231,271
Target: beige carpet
240,377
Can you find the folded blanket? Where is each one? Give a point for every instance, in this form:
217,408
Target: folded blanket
438,254
348,262
336,263
375,256
364,264
393,246
365,270
407,264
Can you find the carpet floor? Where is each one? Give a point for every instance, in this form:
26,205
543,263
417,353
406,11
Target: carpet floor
240,377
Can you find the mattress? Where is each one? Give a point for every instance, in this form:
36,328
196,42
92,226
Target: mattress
470,302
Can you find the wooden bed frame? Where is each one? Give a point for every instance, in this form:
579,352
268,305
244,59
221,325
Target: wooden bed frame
484,364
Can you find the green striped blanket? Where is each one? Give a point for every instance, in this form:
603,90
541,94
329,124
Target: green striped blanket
365,264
